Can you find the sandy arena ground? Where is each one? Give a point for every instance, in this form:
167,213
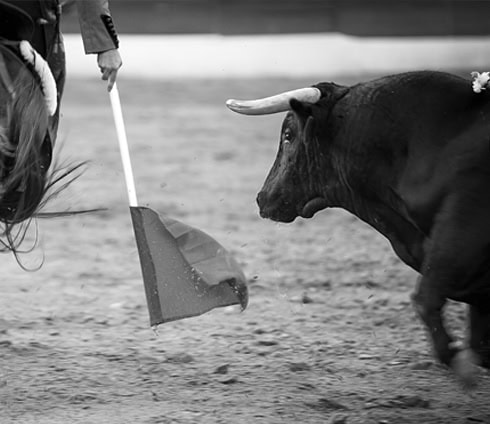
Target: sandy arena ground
329,335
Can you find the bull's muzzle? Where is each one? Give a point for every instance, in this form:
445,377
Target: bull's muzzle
275,208
261,202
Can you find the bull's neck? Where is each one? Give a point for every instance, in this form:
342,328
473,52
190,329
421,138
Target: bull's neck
346,198
342,190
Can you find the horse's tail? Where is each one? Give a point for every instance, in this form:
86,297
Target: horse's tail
25,156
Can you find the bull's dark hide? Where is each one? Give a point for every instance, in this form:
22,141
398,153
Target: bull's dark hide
408,154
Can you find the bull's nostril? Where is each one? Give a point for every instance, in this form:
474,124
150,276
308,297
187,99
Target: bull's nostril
260,198
261,202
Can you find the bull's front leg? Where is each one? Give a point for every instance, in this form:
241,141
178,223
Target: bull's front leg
455,249
429,304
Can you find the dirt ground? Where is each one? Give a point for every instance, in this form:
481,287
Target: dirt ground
329,335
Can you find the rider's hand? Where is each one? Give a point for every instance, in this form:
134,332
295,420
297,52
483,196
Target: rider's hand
109,63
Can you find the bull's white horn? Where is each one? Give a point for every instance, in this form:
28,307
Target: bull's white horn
274,104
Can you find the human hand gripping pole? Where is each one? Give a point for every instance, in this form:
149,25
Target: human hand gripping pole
185,271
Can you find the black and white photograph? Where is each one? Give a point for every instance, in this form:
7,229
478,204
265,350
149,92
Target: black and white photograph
245,211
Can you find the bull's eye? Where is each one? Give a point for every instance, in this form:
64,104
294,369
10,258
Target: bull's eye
287,137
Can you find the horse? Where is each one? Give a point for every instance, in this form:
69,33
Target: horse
30,93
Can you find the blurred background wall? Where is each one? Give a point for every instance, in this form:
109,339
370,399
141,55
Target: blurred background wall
356,17
170,38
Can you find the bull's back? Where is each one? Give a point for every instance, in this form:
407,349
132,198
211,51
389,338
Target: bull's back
406,125
446,101
420,134
447,145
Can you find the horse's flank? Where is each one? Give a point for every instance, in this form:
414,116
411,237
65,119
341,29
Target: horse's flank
27,177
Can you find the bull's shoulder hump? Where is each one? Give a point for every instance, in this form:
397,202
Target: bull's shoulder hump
423,80
412,80
430,88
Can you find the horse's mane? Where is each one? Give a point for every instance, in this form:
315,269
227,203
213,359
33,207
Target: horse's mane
26,185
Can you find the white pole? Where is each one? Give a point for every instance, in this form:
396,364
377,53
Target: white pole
123,145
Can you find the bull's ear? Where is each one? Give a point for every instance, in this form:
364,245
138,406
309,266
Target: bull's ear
308,130
302,110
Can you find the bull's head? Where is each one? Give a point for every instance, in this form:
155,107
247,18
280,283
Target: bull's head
292,188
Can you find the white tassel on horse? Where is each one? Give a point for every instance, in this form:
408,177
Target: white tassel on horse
41,67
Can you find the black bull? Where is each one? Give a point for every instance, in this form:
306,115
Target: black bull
410,155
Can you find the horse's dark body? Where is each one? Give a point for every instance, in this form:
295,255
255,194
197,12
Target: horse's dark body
27,129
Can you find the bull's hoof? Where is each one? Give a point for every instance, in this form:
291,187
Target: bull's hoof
465,366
